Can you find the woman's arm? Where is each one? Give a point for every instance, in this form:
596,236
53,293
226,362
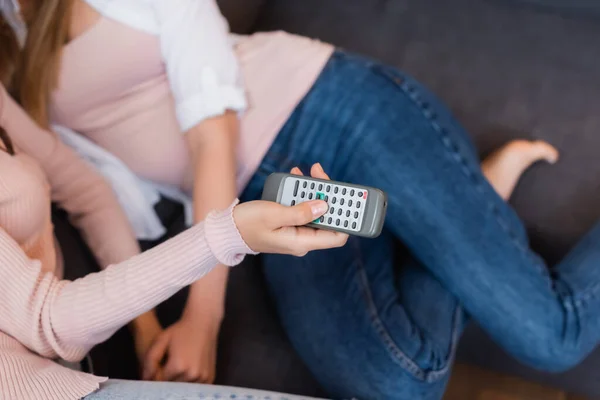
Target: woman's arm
65,319
85,195
81,191
205,80
213,145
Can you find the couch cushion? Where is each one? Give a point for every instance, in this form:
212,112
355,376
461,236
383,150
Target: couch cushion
254,351
241,14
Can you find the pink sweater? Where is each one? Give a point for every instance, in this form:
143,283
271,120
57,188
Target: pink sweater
43,318
114,89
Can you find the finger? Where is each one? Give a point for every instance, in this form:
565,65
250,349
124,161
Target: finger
174,373
159,376
301,214
296,171
154,356
317,171
309,239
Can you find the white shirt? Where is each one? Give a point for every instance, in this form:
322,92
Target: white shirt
205,82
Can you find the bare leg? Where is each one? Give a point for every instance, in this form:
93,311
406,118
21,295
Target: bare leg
504,167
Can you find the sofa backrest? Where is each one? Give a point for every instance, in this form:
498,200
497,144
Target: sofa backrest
241,14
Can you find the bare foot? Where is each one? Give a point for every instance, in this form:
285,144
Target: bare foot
504,167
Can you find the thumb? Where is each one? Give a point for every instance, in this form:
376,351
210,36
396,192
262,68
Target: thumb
303,213
154,356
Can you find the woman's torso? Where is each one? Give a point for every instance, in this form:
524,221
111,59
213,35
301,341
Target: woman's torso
113,88
25,209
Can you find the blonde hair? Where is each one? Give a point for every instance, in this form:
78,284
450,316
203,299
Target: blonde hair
48,23
9,55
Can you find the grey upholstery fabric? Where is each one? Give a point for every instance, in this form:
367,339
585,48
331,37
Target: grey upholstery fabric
253,348
241,14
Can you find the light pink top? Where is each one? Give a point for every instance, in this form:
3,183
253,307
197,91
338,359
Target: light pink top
43,318
114,89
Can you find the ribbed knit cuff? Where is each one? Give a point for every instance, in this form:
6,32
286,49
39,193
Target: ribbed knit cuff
224,238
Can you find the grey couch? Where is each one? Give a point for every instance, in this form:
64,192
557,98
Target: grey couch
508,69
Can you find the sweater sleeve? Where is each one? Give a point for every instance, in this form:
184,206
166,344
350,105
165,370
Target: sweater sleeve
201,65
76,186
65,319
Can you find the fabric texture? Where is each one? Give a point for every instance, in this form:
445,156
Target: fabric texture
467,252
135,390
130,125
136,196
68,318
43,318
507,69
74,185
204,84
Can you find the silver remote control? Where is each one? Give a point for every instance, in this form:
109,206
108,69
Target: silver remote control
353,209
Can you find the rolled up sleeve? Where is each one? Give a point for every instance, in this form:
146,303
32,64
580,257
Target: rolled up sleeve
201,64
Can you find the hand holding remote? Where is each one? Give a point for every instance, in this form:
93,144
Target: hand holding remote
268,227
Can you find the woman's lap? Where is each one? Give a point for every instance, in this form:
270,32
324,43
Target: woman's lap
395,345
370,124
138,390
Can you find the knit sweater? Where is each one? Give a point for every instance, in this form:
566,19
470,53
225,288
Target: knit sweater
43,318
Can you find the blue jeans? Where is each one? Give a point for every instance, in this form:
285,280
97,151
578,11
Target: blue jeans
381,318
138,390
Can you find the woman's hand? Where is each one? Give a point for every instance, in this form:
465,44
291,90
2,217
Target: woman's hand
189,346
268,227
146,329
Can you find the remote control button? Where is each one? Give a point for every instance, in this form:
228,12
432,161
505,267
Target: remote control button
293,202
329,220
326,198
320,196
320,187
312,185
352,192
340,211
296,186
331,210
349,203
341,202
345,224
328,188
356,215
353,225
360,194
304,184
310,196
302,194
337,222
333,200
358,204
335,190
348,213
344,191
322,219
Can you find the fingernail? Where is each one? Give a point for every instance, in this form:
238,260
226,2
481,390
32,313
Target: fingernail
318,207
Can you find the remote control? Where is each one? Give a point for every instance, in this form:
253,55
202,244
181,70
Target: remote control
353,209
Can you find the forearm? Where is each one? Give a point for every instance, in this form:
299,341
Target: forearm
213,151
64,319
